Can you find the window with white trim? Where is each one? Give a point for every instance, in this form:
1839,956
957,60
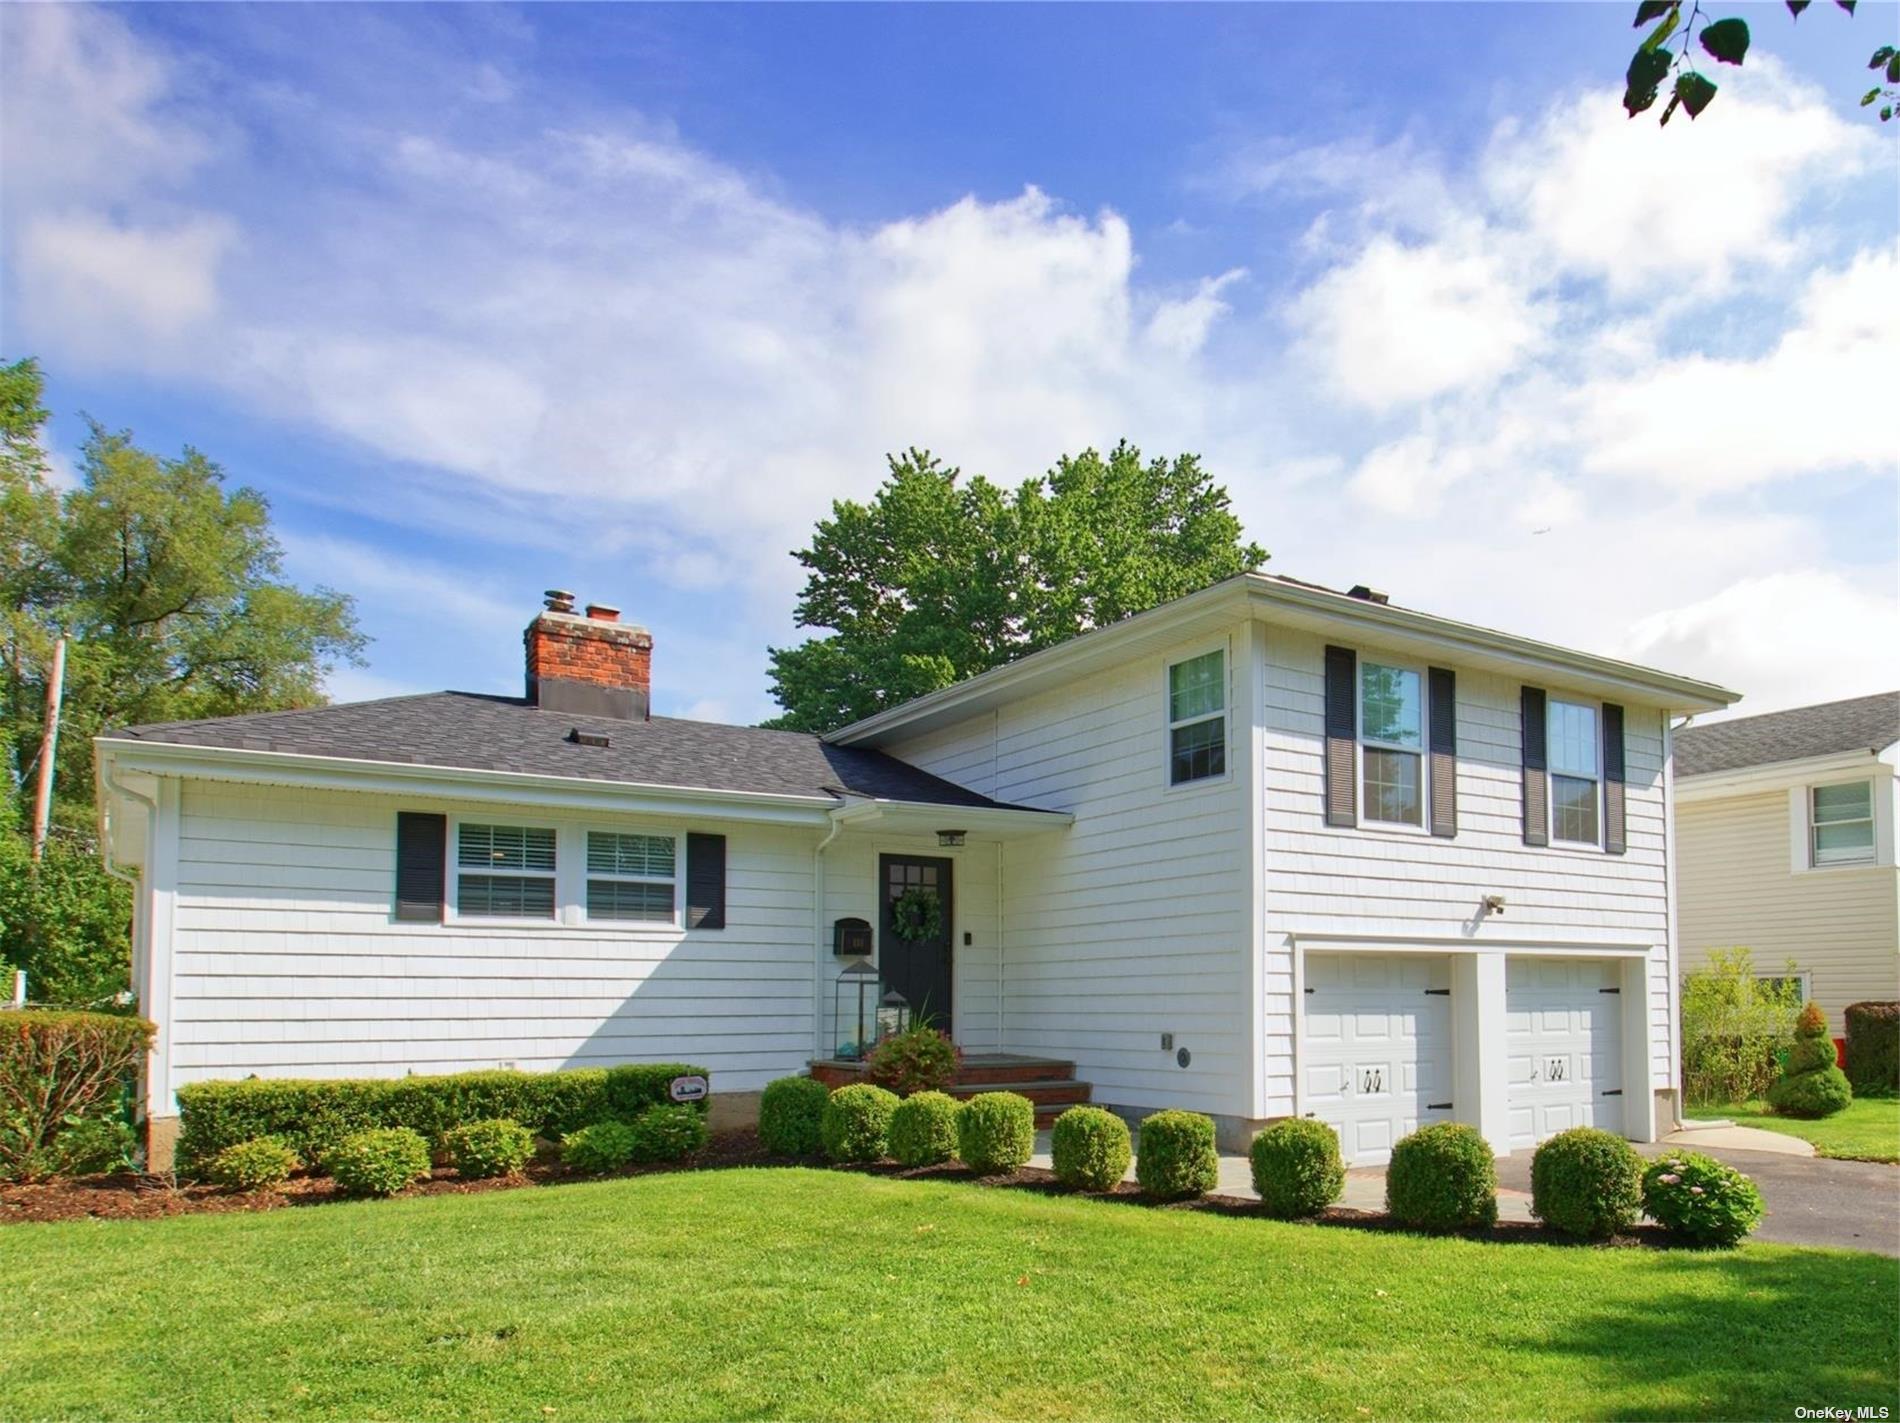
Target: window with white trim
632,877
1392,742
1197,718
1841,824
1576,771
504,871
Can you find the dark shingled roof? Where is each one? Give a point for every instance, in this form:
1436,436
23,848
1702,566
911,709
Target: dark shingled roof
1862,724
470,731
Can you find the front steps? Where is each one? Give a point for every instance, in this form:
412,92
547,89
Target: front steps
1049,1082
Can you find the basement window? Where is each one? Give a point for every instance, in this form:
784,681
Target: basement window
504,871
632,877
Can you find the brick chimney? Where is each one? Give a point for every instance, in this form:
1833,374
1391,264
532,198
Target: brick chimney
589,664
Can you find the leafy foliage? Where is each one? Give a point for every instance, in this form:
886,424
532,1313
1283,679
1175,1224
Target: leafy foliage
1735,1026
597,1149
856,1123
996,1132
924,1129
65,921
789,1112
938,578
1812,1085
1177,1159
58,1070
668,1133
1297,1169
1090,1149
496,1146
919,1059
1873,1046
380,1162
1587,1183
261,1164
1698,1198
1443,1177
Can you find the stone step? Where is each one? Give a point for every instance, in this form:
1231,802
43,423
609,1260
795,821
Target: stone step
1008,1067
1056,1092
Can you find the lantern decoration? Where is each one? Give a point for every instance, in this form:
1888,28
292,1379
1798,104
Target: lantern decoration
856,1009
893,1014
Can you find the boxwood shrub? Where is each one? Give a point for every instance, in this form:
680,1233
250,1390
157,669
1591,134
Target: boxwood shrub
996,1132
924,1129
499,1146
1873,1046
668,1131
1443,1177
1587,1183
856,1123
605,1146
1176,1158
58,1069
1090,1149
261,1164
1701,1200
379,1162
1297,1170
789,1110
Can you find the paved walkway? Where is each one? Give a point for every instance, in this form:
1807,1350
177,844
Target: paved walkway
1810,1200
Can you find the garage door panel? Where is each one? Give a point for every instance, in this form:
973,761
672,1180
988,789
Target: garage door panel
1377,1047
1564,1047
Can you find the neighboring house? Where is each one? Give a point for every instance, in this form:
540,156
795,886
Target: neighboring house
1785,833
1269,849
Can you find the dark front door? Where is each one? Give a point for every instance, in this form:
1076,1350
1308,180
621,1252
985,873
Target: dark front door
917,968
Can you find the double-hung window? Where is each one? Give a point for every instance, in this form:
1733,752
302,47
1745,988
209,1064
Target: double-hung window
1197,718
504,871
1392,741
632,877
1576,772
1841,824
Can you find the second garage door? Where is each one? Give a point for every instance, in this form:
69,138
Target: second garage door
1377,1047
1565,1047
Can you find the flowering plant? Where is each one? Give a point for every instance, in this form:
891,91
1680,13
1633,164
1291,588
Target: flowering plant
1701,1200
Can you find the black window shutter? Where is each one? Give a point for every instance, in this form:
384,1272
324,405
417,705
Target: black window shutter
705,881
1536,769
1342,730
1443,711
1615,832
422,856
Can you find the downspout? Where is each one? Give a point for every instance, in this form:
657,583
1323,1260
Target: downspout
818,936
1002,956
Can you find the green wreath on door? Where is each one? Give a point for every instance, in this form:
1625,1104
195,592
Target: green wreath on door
917,915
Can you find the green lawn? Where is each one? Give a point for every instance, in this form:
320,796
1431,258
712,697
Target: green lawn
809,1294
1868,1130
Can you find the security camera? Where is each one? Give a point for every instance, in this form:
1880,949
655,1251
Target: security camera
1494,904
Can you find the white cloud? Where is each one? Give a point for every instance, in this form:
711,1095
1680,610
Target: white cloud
93,277
1181,326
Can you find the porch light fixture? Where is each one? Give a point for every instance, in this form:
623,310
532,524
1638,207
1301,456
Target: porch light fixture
950,838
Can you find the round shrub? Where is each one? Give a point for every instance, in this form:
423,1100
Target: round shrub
1297,1168
1177,1159
1812,1086
789,1110
1701,1200
1090,1148
996,1132
600,1148
856,1124
261,1164
1587,1183
498,1146
919,1059
924,1129
668,1133
380,1162
1443,1177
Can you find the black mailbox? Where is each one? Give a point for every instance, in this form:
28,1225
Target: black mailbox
851,939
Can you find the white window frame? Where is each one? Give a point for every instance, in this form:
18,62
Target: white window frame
451,893
570,877
1595,708
677,882
1225,716
1362,742
1872,857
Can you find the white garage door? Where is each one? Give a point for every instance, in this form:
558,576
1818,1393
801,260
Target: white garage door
1377,1047
1564,1025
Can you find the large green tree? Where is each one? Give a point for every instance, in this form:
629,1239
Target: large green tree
169,588
940,577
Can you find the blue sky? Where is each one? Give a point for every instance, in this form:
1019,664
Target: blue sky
618,298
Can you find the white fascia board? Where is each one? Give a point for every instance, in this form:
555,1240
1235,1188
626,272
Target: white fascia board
980,823
1776,776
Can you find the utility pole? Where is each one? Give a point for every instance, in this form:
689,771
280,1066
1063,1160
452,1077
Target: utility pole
49,744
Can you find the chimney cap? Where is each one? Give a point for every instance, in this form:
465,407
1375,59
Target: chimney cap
559,600
1366,594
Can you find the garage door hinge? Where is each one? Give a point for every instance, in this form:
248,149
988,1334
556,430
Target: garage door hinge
1438,993
1609,990
1438,1106
1309,990
1614,1092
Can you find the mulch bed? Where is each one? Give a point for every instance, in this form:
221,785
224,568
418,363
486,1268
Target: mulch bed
129,1196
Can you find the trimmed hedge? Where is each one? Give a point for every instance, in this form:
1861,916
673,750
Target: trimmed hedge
924,1129
1701,1200
605,1146
498,1146
59,1068
1873,1046
1587,1183
1812,1086
856,1123
668,1131
789,1112
260,1165
1443,1177
1176,1159
996,1132
1090,1149
1297,1169
312,1116
379,1162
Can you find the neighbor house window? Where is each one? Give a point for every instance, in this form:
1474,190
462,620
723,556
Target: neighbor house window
1575,771
631,877
504,872
1392,740
1197,719
1841,824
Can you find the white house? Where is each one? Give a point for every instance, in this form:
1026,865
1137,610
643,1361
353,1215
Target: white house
1785,824
1269,849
